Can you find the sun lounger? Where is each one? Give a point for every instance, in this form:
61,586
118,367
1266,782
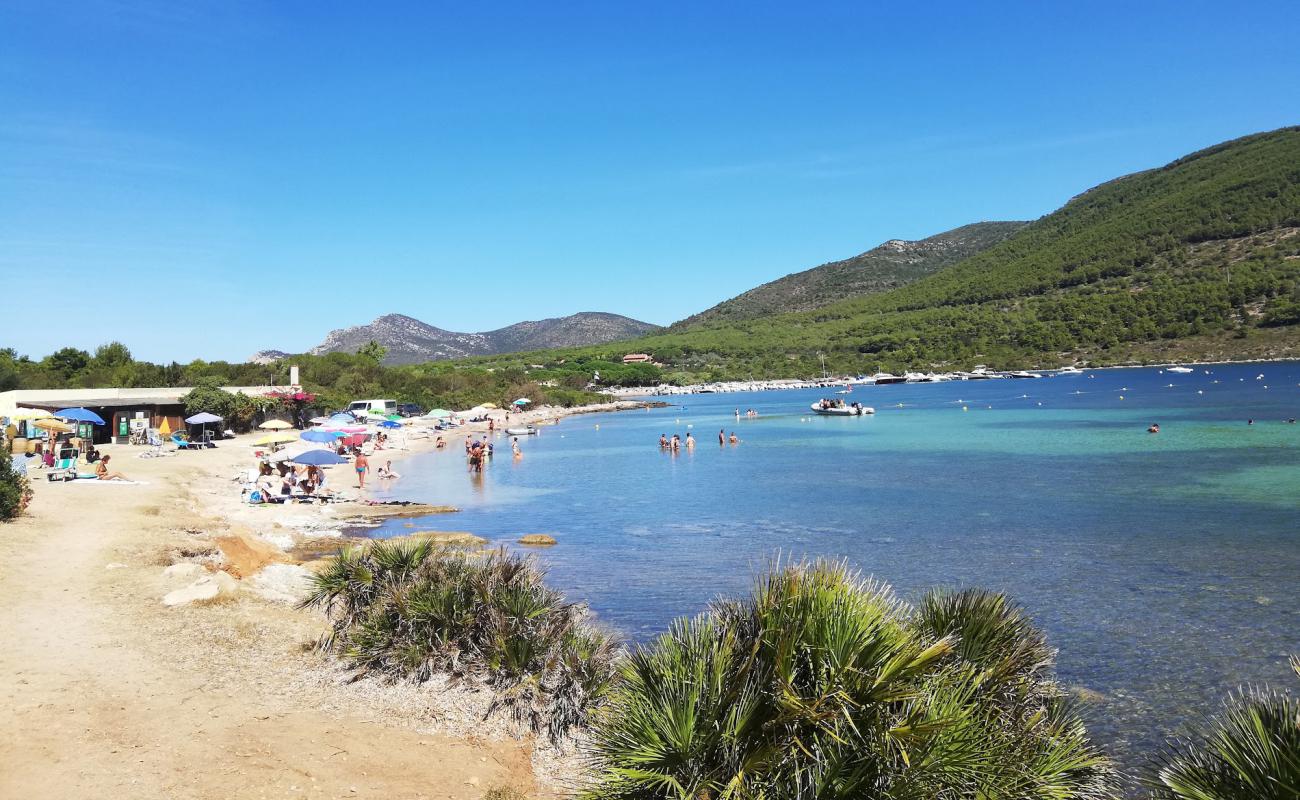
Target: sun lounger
181,444
65,466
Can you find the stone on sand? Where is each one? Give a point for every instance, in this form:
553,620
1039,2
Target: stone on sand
216,586
281,583
184,570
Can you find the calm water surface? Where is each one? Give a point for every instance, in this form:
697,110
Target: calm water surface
1166,568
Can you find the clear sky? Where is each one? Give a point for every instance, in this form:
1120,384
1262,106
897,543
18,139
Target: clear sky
212,178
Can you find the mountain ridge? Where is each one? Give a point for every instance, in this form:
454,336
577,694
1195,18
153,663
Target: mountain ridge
412,341
887,266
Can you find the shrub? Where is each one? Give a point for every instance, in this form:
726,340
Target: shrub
1249,752
822,684
15,492
409,610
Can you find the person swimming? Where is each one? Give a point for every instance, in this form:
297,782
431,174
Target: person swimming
1155,428
734,438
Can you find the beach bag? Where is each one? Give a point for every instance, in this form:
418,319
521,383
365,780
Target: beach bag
255,497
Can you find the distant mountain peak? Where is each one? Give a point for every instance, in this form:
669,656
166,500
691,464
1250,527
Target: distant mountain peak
413,341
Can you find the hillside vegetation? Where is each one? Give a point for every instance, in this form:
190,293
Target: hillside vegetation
1205,249
892,264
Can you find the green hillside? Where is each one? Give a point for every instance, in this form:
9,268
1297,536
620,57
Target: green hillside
892,264
1199,258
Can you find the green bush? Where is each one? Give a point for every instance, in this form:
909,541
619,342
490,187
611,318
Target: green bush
15,492
411,610
1249,752
823,685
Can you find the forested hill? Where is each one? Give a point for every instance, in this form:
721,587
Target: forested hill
892,264
1196,259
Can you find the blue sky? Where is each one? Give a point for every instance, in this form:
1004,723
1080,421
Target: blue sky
231,176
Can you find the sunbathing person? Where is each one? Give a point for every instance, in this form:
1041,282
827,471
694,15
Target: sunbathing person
102,473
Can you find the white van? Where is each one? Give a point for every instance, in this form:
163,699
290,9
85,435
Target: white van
385,407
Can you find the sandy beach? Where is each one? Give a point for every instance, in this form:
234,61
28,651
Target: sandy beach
111,693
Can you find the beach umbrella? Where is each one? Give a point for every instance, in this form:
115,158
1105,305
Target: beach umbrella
165,428
319,458
275,425
488,405
390,424
52,425
523,401
202,418
81,415
342,418
321,436
276,438
29,413
345,428
438,413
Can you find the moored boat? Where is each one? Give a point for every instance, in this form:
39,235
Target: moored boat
521,431
838,408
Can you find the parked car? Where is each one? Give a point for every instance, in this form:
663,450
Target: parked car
409,409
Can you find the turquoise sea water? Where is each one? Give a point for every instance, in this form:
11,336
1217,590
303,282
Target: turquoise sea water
1166,567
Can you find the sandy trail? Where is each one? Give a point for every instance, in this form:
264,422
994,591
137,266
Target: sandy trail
107,693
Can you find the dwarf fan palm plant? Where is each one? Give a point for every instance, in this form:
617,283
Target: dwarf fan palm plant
824,685
1249,752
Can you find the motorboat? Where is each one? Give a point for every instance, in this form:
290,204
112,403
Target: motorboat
838,408
1020,373
1069,371
1179,370
527,431
882,378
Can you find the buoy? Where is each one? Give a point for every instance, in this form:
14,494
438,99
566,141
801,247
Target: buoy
690,425
597,426
1121,397
1040,402
964,408
1198,391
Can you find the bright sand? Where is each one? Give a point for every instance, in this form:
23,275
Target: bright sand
109,693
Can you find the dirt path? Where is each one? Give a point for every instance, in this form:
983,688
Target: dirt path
108,694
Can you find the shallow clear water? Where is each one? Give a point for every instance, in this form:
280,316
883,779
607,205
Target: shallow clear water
1165,567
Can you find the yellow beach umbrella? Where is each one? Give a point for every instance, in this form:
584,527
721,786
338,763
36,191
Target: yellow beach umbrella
487,405
165,428
53,425
29,413
276,438
275,425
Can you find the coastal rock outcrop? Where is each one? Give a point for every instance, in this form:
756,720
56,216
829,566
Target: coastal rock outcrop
244,555
216,586
281,583
537,539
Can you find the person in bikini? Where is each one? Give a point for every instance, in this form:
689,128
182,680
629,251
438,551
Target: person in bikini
102,473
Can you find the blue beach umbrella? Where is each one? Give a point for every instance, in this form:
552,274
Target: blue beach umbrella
322,436
388,423
343,418
319,458
80,415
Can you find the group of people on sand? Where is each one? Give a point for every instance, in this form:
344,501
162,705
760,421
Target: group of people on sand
285,480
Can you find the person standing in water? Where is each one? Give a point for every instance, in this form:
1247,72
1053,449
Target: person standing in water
663,442
690,441
734,438
722,437
514,448
362,465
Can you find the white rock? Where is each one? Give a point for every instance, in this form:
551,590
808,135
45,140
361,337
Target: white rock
205,589
115,565
281,583
326,533
185,570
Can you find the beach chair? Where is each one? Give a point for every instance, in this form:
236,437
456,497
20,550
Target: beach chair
182,444
65,466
